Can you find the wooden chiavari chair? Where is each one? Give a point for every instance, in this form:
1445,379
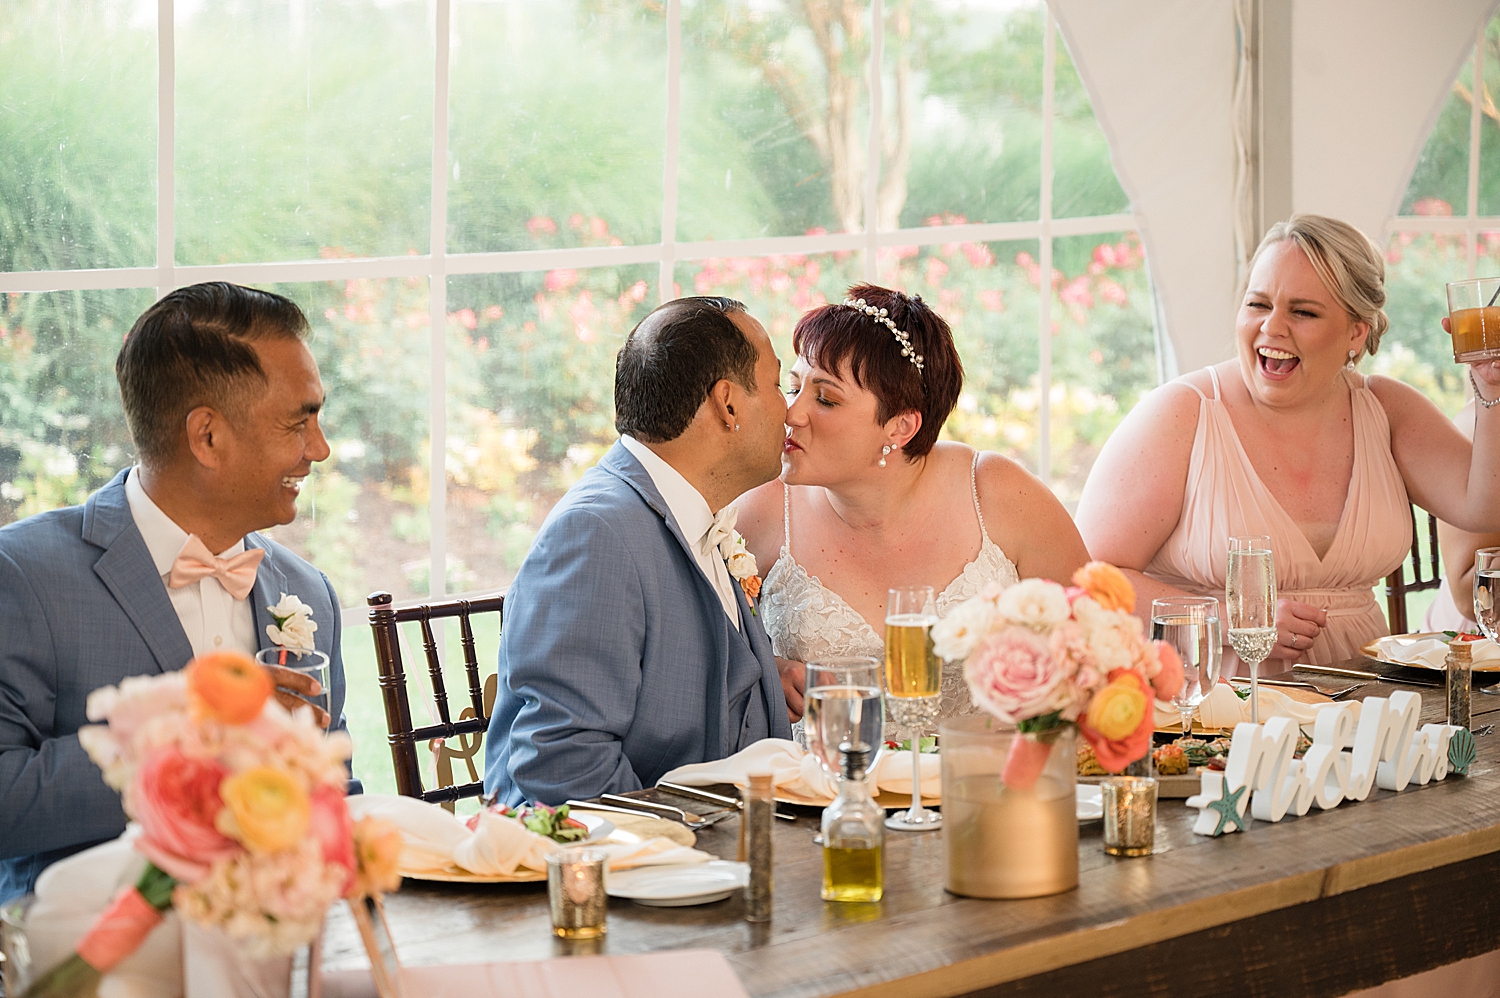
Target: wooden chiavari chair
1396,586
449,740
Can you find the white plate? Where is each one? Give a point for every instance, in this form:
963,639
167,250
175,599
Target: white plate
1090,803
671,886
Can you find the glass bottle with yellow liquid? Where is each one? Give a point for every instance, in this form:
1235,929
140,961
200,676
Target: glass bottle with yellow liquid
853,834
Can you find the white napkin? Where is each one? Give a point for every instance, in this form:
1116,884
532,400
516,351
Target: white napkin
1223,709
797,771
436,841
72,892
1432,653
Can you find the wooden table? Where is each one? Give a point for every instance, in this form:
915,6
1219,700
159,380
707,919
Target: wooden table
1317,906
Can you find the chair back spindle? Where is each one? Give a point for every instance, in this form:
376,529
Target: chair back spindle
1426,574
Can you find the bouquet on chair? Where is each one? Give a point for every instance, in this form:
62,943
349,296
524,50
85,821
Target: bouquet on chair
1041,656
243,819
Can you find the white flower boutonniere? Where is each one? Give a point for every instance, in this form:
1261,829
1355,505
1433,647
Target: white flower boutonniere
742,567
294,627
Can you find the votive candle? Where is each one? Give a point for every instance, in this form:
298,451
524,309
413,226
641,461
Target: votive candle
1129,815
575,890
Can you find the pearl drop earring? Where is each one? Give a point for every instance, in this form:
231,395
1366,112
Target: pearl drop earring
883,452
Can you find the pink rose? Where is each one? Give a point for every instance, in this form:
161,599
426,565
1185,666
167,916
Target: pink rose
1012,674
176,799
331,825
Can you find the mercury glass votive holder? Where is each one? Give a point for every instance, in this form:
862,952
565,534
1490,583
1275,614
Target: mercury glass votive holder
1129,815
575,891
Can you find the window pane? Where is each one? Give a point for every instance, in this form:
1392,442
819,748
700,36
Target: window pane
558,124
362,516
976,112
1103,348
77,136
988,294
776,289
774,120
531,368
1489,125
1440,183
62,429
303,129
1415,349
1083,179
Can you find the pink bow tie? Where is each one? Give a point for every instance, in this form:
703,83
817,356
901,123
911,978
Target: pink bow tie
196,562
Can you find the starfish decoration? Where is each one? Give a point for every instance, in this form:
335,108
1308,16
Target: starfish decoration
1228,808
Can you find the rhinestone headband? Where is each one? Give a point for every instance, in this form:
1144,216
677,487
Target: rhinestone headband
878,314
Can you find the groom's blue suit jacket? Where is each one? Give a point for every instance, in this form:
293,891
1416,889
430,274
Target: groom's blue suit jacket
82,606
617,661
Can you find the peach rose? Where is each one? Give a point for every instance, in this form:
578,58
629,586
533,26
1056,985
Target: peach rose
228,686
1168,679
377,847
176,800
266,808
1012,674
1119,720
331,825
1107,585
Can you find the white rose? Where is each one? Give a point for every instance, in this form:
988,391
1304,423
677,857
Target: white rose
289,606
1034,603
742,564
955,636
295,635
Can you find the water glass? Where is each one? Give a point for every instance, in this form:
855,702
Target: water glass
17,973
575,892
310,663
1190,624
844,704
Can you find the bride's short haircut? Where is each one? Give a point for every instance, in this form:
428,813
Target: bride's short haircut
848,343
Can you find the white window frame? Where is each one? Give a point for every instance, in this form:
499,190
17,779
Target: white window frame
438,265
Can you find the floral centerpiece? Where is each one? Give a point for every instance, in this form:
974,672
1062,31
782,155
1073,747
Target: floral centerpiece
1043,657
242,815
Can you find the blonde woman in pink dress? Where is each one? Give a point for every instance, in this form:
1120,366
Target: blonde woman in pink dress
1289,440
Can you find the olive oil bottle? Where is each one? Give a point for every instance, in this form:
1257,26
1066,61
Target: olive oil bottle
853,833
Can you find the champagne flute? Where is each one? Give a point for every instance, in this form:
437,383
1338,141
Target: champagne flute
1190,624
1250,603
1486,595
913,683
844,704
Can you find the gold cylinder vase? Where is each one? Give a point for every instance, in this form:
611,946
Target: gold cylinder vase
1004,841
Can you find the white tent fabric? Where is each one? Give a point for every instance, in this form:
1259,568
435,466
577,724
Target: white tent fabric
1369,78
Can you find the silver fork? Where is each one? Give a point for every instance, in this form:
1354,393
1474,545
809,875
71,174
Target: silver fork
686,817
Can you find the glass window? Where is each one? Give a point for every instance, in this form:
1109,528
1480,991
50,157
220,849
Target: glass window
303,130
1418,267
558,118
1440,183
62,428
77,135
1489,124
1084,181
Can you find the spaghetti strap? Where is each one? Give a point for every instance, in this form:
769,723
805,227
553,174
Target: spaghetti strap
1214,374
786,516
984,535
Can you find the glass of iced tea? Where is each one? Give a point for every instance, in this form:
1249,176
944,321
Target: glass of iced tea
1474,319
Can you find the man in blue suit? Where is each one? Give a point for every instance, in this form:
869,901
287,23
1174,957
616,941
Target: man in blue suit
628,648
161,564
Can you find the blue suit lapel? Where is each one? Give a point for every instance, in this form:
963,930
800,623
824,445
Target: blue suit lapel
270,583
127,570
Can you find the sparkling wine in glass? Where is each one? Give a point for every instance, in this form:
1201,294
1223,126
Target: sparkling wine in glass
1487,595
844,704
1190,624
1250,604
913,684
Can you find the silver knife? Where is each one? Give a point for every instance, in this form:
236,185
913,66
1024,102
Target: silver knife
734,802
584,805
1329,670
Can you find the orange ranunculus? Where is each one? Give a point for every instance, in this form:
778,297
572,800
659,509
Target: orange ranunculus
265,808
228,686
1119,720
1107,585
751,585
377,848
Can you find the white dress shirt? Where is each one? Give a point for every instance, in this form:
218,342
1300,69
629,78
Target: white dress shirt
213,619
691,511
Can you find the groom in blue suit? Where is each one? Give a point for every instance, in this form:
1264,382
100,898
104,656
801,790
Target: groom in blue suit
161,564
630,646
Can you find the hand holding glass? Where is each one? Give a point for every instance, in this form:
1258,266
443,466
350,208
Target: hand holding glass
1190,624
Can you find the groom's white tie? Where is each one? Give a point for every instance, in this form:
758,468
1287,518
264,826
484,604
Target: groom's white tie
721,532
712,549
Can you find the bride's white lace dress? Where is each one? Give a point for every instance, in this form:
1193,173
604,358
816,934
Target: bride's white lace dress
807,621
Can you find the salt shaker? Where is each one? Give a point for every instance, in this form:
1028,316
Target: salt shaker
755,845
1459,677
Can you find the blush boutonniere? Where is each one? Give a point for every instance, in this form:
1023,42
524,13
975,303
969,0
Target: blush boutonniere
742,567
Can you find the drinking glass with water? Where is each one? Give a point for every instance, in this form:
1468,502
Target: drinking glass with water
1190,624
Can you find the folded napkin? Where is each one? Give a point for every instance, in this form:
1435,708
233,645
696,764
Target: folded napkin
1222,708
72,892
1432,653
436,842
797,772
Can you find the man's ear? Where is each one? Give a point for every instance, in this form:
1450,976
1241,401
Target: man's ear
207,432
721,403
